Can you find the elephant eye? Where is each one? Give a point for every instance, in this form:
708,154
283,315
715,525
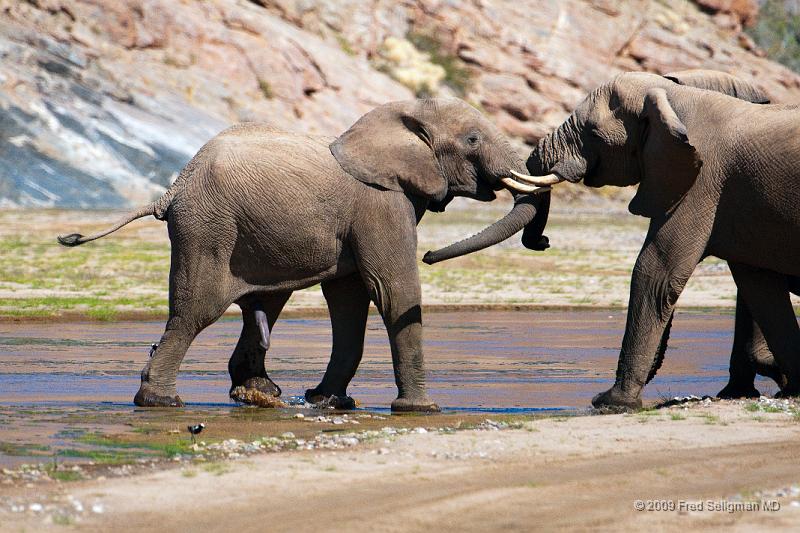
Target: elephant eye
473,139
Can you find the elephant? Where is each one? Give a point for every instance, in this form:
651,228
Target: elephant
713,164
714,172
259,213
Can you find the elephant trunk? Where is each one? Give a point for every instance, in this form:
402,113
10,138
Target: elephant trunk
522,214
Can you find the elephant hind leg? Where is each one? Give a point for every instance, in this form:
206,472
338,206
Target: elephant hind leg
198,297
747,339
158,387
348,305
766,295
249,380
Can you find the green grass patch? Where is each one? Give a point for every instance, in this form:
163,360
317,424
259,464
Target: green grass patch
22,449
168,449
64,475
101,457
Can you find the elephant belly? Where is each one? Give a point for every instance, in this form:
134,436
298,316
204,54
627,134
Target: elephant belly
279,206
290,253
758,226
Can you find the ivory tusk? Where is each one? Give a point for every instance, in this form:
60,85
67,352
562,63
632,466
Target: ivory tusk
542,181
521,188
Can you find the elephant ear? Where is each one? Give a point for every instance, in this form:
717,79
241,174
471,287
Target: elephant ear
392,148
669,162
721,82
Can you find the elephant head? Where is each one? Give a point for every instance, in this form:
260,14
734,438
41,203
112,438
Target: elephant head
628,132
437,149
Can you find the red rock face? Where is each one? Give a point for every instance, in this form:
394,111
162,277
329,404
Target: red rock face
119,94
744,12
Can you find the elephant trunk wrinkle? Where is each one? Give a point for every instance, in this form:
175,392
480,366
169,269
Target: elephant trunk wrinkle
520,215
561,144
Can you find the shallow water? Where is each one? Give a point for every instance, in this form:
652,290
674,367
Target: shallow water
481,360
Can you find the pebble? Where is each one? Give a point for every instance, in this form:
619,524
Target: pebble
97,508
299,416
35,507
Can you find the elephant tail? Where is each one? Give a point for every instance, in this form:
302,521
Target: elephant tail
157,209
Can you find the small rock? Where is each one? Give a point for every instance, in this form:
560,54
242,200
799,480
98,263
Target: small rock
97,508
36,507
299,416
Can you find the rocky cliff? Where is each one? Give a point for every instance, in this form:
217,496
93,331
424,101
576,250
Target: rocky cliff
102,101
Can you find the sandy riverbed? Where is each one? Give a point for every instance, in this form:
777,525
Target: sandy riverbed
574,473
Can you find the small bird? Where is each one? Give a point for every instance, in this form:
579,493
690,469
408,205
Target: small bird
195,430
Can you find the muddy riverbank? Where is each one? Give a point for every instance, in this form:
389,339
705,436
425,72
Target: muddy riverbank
703,466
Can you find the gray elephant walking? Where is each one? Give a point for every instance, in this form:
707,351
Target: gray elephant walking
717,176
259,213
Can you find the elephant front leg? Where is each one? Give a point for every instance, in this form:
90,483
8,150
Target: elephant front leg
249,380
662,269
348,305
398,300
389,271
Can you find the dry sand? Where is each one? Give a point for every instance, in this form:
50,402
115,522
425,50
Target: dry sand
560,473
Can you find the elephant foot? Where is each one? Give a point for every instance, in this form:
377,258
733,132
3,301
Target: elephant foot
732,391
147,397
788,392
261,383
615,398
258,391
340,402
415,405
